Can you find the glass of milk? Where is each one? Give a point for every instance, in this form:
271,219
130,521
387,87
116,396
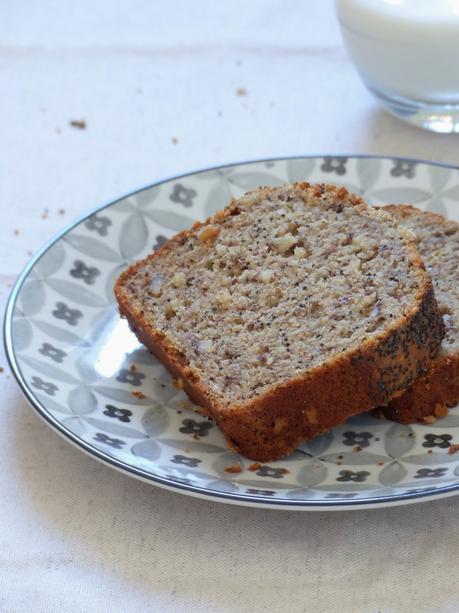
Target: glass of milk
407,54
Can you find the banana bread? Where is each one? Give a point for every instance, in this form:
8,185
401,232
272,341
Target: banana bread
438,243
286,313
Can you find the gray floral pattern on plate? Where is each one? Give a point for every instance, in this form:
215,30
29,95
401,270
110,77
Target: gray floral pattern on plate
182,195
403,168
64,312
87,274
119,414
85,372
48,350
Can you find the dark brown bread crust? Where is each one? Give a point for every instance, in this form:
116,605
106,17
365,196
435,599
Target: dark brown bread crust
274,423
431,395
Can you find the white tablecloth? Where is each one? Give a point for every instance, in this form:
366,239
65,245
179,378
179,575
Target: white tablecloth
76,536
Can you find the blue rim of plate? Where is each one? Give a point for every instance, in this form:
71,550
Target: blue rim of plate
164,482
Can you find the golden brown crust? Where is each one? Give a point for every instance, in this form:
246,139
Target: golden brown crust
402,211
272,424
431,394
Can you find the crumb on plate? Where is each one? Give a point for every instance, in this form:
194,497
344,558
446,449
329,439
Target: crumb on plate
138,395
233,468
80,124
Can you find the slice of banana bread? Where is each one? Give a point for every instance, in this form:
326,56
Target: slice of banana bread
438,243
286,313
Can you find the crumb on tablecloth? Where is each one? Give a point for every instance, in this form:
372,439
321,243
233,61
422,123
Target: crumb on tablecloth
80,124
453,449
241,91
133,368
255,466
174,140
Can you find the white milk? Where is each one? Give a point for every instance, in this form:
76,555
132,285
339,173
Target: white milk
405,48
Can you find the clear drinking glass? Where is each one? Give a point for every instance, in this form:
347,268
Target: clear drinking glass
407,54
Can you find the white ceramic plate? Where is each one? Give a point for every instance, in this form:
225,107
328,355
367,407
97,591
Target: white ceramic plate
87,376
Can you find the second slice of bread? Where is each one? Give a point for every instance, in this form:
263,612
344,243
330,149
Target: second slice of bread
288,312
438,243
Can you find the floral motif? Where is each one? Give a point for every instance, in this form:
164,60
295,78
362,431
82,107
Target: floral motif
182,459
334,164
52,352
346,495
160,240
87,274
44,386
131,377
269,471
362,439
437,440
183,195
71,316
350,475
251,490
200,428
403,168
100,437
98,224
120,414
425,473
